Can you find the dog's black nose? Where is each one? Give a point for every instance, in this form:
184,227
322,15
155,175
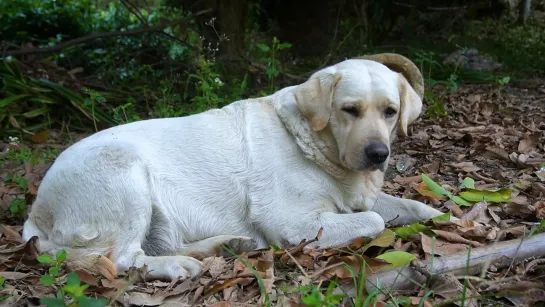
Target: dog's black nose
376,152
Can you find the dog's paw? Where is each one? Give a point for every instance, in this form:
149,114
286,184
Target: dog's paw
183,267
239,245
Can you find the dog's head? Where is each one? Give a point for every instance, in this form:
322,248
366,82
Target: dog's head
363,102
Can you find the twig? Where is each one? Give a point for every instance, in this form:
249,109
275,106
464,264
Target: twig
86,39
502,254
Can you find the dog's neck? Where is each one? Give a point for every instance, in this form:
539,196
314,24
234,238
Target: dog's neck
314,145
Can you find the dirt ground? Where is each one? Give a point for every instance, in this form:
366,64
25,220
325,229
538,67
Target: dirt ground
492,135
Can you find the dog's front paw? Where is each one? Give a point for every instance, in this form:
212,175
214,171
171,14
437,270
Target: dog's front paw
182,267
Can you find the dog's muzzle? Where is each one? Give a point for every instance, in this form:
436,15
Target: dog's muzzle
374,156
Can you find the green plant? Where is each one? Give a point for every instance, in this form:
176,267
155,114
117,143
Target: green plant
502,81
207,86
71,289
17,206
436,100
312,296
126,113
272,63
28,104
2,285
538,228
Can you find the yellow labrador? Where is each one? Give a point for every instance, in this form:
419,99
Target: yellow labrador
269,170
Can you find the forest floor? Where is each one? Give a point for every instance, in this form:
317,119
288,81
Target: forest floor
493,135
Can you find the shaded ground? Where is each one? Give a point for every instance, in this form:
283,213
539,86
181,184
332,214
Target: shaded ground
493,135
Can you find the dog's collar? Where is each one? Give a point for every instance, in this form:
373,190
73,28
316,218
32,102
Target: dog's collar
313,147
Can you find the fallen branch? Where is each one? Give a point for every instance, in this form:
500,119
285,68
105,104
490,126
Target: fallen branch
86,39
501,254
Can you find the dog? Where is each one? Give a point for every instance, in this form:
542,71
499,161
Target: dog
271,170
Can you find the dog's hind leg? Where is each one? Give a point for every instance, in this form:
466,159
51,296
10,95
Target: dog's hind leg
214,246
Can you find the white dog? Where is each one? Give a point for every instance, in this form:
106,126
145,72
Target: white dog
269,170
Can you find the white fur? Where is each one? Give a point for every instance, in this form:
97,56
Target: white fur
252,169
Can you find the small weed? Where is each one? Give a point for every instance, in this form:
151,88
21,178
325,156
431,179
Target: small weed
271,59
2,285
538,228
20,181
312,296
17,207
502,81
436,102
72,289
22,155
208,83
126,113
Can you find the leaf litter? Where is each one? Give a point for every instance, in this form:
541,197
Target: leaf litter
485,162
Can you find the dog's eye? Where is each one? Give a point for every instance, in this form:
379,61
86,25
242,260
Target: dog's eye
352,111
390,112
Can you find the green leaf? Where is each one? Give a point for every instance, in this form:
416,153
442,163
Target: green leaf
397,258
36,112
7,101
440,191
52,302
61,256
2,282
91,302
72,279
434,187
408,230
385,239
54,270
284,46
468,183
264,47
442,218
499,196
47,280
460,201
44,258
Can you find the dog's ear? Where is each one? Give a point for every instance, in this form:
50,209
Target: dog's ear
411,105
314,98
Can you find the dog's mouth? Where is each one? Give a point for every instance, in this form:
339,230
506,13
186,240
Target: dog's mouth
371,167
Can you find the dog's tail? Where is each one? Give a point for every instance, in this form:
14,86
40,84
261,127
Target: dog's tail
95,261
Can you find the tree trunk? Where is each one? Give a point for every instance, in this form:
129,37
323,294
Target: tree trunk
232,18
524,11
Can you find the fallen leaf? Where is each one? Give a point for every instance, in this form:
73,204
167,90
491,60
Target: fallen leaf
453,237
467,167
529,142
499,196
397,258
13,275
385,239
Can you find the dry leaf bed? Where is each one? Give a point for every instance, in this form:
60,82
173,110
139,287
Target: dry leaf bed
494,136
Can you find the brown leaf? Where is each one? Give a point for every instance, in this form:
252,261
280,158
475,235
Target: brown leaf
529,142
87,277
540,209
440,247
477,212
40,137
372,265
11,233
223,285
453,237
13,275
214,265
467,167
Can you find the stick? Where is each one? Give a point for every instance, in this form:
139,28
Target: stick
501,254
